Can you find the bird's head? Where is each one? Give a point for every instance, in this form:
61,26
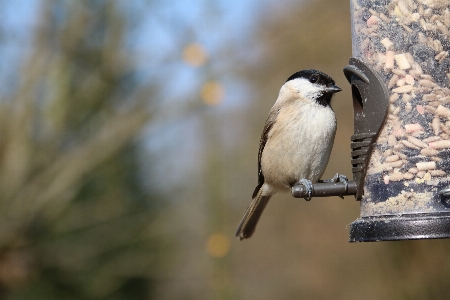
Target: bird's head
313,85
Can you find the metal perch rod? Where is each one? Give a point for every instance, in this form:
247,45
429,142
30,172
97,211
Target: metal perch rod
325,189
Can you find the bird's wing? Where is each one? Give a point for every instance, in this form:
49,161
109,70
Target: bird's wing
262,143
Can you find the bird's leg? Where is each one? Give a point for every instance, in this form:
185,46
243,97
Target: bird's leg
337,178
309,187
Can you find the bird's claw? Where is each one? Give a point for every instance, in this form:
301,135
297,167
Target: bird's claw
338,178
309,188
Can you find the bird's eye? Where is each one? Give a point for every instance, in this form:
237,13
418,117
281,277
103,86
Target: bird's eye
313,78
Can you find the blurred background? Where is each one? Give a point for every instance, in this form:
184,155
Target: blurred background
129,133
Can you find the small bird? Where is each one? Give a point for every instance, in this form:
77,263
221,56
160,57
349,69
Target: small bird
296,142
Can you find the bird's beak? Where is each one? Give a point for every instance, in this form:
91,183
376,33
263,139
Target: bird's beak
332,89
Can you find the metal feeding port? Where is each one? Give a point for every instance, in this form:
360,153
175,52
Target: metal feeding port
370,107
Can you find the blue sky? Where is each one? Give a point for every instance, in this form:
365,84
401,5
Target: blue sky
158,32
215,25
18,18
155,36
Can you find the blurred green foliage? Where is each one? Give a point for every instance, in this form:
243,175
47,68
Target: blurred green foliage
75,217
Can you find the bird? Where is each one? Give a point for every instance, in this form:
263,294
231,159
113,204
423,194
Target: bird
296,142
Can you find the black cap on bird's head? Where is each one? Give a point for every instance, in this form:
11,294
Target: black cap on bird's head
318,78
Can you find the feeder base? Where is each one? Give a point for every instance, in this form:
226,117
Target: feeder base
404,227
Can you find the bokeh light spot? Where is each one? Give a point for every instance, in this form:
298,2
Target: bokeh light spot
194,55
212,93
218,245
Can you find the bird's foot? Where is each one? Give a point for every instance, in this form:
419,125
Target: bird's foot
309,187
338,178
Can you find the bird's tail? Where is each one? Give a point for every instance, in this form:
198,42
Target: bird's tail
252,215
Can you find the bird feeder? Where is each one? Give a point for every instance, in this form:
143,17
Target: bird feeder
399,76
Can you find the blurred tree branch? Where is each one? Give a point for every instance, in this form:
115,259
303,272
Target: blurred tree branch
68,160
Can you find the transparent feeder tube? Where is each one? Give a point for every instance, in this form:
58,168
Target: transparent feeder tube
407,43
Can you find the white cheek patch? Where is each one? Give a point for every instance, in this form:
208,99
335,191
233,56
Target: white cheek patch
307,89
